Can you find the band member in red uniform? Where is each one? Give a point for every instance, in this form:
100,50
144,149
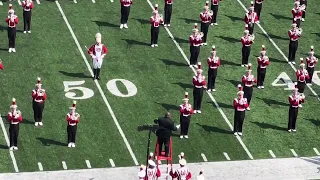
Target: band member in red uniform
246,41
12,21
183,172
214,9
297,13
167,12
73,119
185,116
294,35
302,77
258,8
27,6
205,17
1,65
303,4
263,62
251,18
14,118
155,20
199,84
240,105
97,52
152,172
295,101
125,11
248,81
311,62
39,96
213,64
195,40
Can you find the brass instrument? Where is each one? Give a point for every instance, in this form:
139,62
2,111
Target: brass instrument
298,31
75,116
210,13
41,92
17,113
303,7
251,37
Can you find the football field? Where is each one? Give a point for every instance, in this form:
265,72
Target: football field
139,83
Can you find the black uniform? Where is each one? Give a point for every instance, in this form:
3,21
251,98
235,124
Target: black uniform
166,126
125,11
167,11
27,7
14,128
262,70
258,7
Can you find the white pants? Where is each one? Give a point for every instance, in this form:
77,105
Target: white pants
97,63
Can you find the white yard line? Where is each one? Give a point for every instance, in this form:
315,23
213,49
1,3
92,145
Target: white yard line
93,1
272,154
75,1
112,163
19,2
88,164
294,153
279,50
227,156
210,95
40,166
316,150
1,4
38,1
64,165
98,86
13,158
204,157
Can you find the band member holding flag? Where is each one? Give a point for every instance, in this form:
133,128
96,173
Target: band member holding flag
125,11
303,4
258,8
214,9
251,18
294,35
248,81
240,105
185,116
155,20
263,62
205,17
199,84
311,62
297,13
27,6
183,172
12,21
14,118
73,119
195,40
295,101
39,96
246,41
214,64
302,77
167,12
97,52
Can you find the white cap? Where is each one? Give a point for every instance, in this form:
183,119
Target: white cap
246,31
182,162
151,163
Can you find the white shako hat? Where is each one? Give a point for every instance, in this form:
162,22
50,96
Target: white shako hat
195,29
182,162
302,63
73,105
240,90
13,104
311,50
186,96
11,11
38,82
98,37
263,49
151,163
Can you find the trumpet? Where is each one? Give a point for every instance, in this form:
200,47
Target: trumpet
75,116
251,37
209,13
17,113
298,31
41,92
159,16
265,59
200,34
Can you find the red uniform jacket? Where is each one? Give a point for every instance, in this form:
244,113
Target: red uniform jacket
181,173
13,119
302,75
37,98
92,50
293,35
152,174
199,81
168,1
296,13
248,80
240,104
195,40
311,61
295,100
213,62
262,63
27,7
70,120
251,18
215,2
246,41
155,21
186,109
126,2
12,23
205,18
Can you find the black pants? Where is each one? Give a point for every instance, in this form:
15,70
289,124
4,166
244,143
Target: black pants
293,47
167,13
238,120
164,141
214,9
293,115
304,14
245,54
204,29
197,98
212,75
72,131
248,93
310,72
194,54
12,37
261,75
298,22
154,35
257,9
301,86
184,124
251,28
125,11
14,133
37,111
96,73
26,20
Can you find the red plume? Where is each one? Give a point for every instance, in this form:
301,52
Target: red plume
239,87
199,65
38,80
249,66
311,48
246,27
252,4
213,48
156,7
10,6
263,48
74,104
207,3
1,65
150,156
181,155
13,101
195,25
186,95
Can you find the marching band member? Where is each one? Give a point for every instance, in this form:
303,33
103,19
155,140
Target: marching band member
302,77
155,20
248,81
27,6
311,62
185,116
142,172
297,13
167,12
214,64
1,65
199,83
295,101
263,62
14,118
205,17
214,9
258,8
246,40
153,172
125,11
294,35
240,105
39,96
303,4
12,21
251,18
200,176
73,119
195,41
97,52
183,172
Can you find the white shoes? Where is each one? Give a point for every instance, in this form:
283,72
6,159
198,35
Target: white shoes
24,32
235,133
71,145
195,66
216,24
209,90
29,32
199,112
186,136
300,105
168,25
152,45
10,50
262,87
289,130
213,90
121,26
165,25
205,44
14,50
242,65
36,124
259,87
156,45
125,26
294,130
302,20
15,148
211,24
11,148
248,109
40,123
240,133
181,137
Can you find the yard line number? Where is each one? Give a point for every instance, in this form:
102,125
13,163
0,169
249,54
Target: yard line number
71,87
288,83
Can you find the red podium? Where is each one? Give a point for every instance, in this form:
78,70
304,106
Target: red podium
160,156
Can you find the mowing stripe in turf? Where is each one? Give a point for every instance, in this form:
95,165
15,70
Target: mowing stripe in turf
64,165
13,158
204,157
88,164
227,156
279,50
316,151
98,86
210,95
272,154
294,153
112,163
40,166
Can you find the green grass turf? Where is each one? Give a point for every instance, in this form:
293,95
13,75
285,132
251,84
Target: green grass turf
161,76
